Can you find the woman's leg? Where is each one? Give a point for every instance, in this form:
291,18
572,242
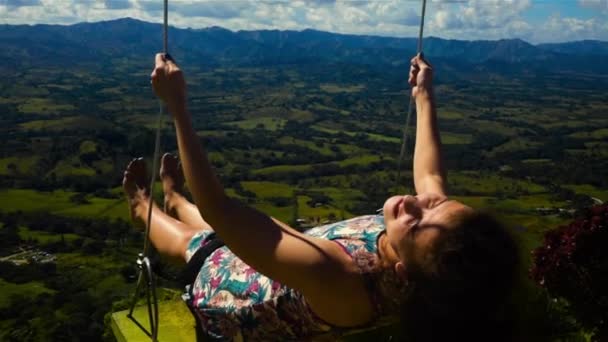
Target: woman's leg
168,235
176,204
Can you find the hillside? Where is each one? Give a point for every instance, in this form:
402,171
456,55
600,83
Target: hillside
130,38
303,125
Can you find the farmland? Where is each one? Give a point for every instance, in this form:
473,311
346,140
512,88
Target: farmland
305,143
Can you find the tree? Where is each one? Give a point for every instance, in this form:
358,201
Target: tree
572,265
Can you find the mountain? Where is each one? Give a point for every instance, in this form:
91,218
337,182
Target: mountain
130,38
584,47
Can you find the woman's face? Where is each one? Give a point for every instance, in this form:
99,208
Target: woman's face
413,223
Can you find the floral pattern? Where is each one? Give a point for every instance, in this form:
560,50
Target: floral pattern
235,302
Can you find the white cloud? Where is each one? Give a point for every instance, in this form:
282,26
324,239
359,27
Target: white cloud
210,9
21,3
444,20
149,6
600,5
571,29
479,14
117,4
458,19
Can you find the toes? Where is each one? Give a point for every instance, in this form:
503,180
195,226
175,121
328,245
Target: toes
128,183
168,160
139,172
180,172
169,165
136,173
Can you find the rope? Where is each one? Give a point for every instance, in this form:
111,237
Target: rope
412,102
161,116
146,274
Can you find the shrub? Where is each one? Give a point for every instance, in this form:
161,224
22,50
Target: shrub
572,264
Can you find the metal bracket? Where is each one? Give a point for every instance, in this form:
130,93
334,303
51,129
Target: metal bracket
147,283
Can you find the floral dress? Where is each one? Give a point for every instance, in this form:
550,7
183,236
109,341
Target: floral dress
235,302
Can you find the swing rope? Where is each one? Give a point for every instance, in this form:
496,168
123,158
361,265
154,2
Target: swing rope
402,153
161,116
146,274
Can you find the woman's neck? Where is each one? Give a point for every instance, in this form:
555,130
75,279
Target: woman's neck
386,253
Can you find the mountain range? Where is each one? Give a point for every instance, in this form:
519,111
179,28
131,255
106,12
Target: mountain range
24,45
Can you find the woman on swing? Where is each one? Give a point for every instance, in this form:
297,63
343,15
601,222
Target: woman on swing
439,265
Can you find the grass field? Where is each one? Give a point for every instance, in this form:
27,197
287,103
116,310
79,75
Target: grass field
455,138
65,123
322,107
30,289
537,161
99,207
58,202
72,167
306,211
269,123
529,203
494,127
321,148
300,115
338,195
381,137
148,121
269,189
474,201
281,169
265,190
589,190
529,231
105,166
515,145
22,165
44,237
491,183
88,146
336,88
372,136
43,106
284,214
599,134
522,205
449,114
360,160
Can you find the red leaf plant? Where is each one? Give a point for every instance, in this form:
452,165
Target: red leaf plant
573,264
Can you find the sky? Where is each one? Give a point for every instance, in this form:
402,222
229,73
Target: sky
536,21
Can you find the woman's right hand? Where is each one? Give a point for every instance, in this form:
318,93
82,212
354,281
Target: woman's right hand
421,76
168,81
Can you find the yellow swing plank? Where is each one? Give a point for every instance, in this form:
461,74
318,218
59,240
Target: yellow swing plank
176,323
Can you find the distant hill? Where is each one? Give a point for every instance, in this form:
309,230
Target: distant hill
130,38
584,47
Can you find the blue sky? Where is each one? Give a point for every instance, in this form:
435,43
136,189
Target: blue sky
532,20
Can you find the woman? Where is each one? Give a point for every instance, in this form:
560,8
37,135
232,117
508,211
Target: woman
432,260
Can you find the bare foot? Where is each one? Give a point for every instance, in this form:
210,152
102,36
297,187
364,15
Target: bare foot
136,189
172,178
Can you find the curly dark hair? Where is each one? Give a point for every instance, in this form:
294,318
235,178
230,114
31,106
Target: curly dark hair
458,291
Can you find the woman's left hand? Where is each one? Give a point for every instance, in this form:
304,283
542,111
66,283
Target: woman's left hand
168,80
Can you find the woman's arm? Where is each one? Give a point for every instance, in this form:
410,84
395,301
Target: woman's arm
429,172
319,268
